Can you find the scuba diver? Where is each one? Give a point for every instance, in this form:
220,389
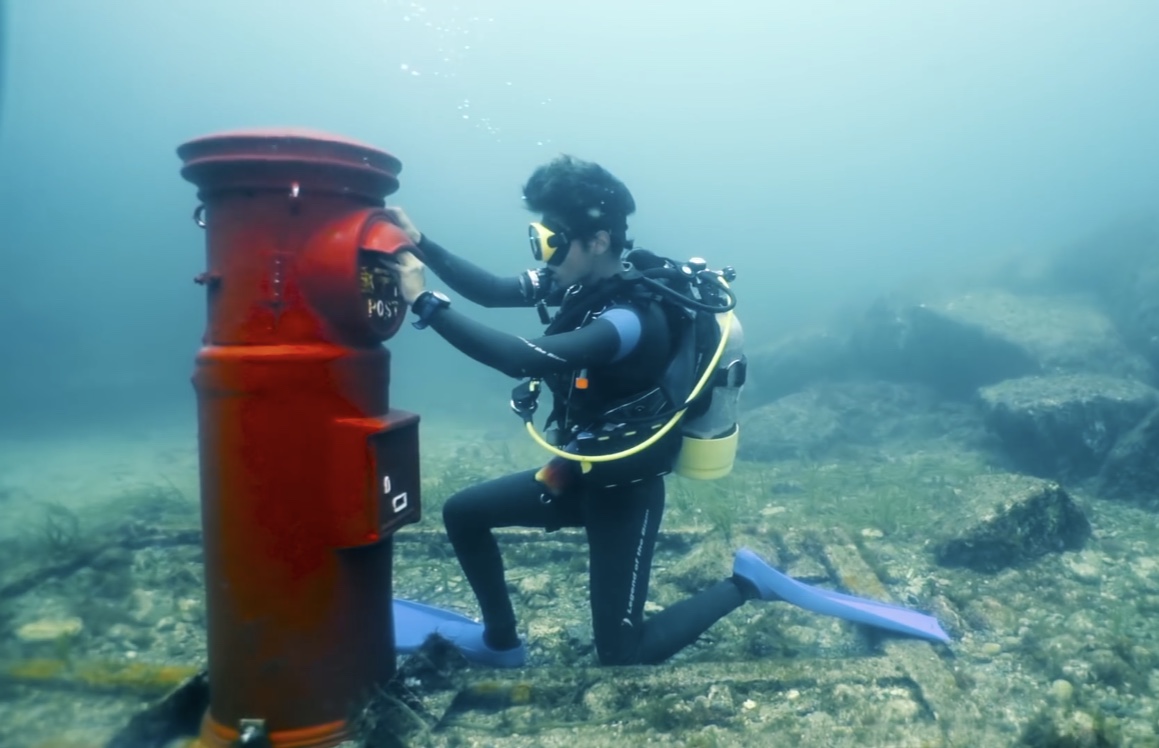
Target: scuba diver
615,358
608,346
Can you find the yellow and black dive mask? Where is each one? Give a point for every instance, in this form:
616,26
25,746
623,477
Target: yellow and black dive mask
548,245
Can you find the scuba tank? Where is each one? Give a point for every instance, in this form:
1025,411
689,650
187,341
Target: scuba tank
711,437
710,429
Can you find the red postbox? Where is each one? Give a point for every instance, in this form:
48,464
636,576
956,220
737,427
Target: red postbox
306,470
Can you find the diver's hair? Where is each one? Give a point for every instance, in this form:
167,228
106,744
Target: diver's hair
584,195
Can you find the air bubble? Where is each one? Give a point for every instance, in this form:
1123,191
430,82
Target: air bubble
448,37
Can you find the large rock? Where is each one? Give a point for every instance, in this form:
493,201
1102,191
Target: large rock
826,419
1119,265
973,340
1131,470
795,363
800,425
1006,520
1064,426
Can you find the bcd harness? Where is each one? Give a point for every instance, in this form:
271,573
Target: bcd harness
698,304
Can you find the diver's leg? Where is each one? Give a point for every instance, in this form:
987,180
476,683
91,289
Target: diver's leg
622,524
469,516
680,624
622,531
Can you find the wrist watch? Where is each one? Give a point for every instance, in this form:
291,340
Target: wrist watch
426,304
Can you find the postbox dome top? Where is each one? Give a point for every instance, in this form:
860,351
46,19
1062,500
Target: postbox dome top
237,157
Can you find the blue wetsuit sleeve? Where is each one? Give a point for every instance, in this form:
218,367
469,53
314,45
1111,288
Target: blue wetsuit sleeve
608,338
476,284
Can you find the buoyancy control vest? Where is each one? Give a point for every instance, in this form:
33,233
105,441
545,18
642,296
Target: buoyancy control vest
697,385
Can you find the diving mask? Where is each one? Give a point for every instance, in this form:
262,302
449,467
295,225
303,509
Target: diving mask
548,245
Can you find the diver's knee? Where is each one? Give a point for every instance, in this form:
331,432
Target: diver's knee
458,513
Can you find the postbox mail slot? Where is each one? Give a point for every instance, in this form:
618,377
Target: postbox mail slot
397,483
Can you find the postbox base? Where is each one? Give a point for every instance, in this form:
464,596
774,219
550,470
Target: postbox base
215,735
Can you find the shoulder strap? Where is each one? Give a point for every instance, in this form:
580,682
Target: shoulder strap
576,306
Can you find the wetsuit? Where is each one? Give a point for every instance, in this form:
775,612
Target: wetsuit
624,347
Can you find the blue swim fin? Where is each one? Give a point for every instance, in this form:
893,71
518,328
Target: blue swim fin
774,585
414,622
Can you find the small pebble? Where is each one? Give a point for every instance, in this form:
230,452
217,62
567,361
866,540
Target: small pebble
1062,691
47,630
536,584
1084,571
190,609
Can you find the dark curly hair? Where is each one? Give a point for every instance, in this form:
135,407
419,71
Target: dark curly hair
584,196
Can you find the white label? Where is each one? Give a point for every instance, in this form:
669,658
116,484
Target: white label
386,484
399,503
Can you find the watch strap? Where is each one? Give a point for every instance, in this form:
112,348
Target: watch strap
424,306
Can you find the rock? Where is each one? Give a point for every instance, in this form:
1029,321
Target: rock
1138,312
1085,570
825,419
1058,726
535,584
797,426
1119,265
602,700
1131,470
972,340
191,610
1062,692
1006,520
795,363
49,629
1064,426
114,558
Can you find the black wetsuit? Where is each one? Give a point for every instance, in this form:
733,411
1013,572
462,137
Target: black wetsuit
621,521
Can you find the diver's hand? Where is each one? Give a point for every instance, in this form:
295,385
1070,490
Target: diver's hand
408,269
399,218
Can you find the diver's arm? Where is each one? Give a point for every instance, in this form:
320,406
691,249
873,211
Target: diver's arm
478,285
608,338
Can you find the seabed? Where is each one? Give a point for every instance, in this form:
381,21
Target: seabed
102,611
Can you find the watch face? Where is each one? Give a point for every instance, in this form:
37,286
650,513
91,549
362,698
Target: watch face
381,297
